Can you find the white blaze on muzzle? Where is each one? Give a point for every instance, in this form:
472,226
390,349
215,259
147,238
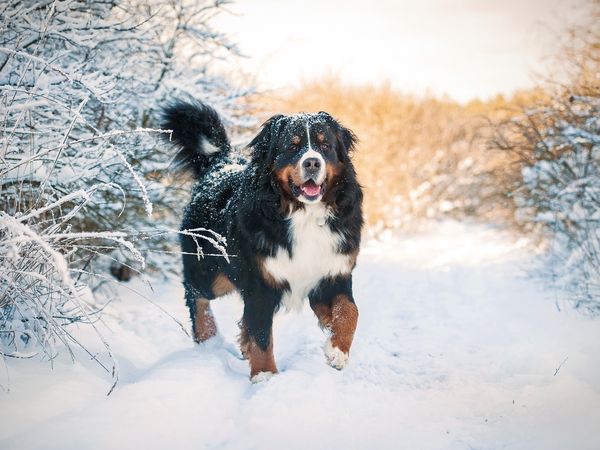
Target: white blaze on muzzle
311,153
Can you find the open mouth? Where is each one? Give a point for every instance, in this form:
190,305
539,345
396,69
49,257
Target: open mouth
309,190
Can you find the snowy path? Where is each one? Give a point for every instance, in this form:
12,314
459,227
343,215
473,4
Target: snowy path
455,349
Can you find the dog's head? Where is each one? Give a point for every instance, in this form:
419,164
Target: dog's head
307,155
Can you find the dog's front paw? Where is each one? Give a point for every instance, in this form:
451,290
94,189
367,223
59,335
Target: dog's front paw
261,376
335,357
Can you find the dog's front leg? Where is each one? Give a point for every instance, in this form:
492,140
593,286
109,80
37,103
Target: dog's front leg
334,306
256,336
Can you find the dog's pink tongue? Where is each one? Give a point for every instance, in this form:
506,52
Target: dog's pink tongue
311,189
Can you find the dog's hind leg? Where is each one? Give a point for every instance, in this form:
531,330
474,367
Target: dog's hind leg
203,321
199,292
204,325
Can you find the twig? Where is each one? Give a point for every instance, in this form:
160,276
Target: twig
559,366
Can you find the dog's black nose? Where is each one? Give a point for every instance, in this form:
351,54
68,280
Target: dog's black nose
311,164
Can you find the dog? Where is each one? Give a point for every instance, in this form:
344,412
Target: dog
290,209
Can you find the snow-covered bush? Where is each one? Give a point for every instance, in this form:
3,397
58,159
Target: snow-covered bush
561,192
558,144
83,183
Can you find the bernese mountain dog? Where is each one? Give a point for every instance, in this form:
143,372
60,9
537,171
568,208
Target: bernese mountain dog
290,209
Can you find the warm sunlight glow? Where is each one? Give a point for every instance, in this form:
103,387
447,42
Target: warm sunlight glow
464,49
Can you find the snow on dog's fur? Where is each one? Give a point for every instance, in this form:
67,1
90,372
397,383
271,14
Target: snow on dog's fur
291,214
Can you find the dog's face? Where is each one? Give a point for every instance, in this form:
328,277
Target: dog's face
306,153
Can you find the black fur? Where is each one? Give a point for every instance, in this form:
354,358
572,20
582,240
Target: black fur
250,207
193,125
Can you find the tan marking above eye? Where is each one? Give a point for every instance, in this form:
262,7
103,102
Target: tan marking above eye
321,137
296,140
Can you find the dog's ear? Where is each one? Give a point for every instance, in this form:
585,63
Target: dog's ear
264,141
347,140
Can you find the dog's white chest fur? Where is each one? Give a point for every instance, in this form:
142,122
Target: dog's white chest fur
314,255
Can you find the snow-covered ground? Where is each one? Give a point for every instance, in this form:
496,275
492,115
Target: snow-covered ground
456,348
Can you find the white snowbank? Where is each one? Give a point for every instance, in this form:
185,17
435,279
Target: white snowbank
455,349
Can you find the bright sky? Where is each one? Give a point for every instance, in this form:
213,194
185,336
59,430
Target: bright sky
463,48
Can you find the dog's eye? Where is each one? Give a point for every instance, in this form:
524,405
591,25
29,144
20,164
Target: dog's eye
293,147
325,146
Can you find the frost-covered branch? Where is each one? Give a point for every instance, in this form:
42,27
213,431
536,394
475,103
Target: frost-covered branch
81,168
558,193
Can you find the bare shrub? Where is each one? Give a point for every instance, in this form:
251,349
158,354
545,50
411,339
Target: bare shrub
557,143
82,182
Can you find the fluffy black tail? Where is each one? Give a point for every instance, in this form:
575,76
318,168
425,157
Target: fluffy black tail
198,130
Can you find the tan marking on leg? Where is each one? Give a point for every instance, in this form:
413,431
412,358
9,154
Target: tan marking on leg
260,360
205,326
222,285
344,317
323,313
243,339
